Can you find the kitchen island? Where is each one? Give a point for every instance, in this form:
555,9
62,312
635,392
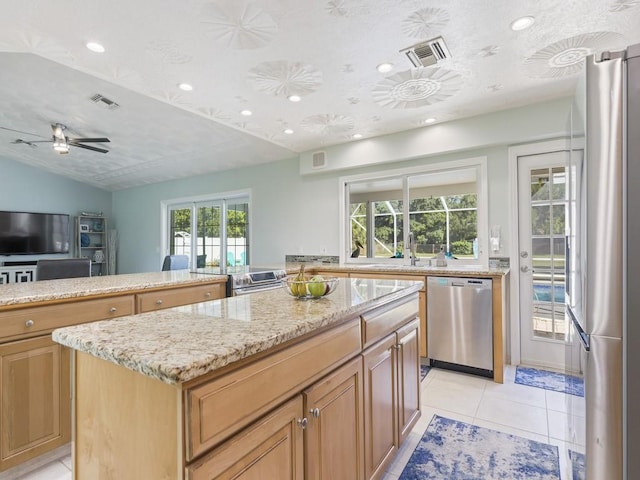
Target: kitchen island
35,375
218,388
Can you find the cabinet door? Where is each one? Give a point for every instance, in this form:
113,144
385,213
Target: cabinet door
380,397
35,402
334,446
271,448
408,378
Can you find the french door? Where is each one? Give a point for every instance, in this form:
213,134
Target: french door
212,233
541,267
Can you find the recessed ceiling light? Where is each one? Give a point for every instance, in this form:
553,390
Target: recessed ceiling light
429,120
288,131
95,47
294,98
246,113
185,86
385,67
522,23
357,136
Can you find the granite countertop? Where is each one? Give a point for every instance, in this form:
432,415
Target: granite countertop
48,290
182,343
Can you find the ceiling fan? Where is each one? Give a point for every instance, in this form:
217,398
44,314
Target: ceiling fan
60,141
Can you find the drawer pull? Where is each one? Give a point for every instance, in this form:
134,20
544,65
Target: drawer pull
302,422
113,310
207,294
159,302
315,412
29,323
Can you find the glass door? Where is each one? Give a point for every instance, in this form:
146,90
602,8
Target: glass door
542,209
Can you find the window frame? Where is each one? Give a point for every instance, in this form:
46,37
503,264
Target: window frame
196,201
479,163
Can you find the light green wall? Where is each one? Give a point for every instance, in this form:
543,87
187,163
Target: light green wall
28,189
294,213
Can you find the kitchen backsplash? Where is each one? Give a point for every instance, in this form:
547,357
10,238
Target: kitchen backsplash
312,259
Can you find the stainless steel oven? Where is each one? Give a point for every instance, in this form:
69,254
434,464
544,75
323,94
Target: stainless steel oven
250,280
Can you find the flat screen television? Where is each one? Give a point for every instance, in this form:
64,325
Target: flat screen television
25,233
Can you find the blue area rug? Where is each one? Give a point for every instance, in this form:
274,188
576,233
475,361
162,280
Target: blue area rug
577,465
558,382
452,450
424,369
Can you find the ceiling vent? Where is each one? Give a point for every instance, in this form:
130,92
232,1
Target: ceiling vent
104,102
319,160
427,53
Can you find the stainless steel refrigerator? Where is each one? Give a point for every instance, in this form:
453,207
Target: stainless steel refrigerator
603,264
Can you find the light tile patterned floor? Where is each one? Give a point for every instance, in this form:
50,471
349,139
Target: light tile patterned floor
528,412
520,410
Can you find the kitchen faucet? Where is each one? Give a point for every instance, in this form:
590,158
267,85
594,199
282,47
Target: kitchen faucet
412,248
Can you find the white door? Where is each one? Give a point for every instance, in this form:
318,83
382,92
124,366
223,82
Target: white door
541,234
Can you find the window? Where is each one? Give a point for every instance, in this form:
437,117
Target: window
441,204
221,226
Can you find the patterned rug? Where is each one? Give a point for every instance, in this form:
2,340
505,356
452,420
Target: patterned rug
452,450
577,465
558,382
424,369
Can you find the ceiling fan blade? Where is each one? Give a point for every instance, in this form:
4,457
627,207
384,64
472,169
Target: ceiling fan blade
20,131
95,149
86,140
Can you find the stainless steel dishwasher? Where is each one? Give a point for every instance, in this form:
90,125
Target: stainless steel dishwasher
459,324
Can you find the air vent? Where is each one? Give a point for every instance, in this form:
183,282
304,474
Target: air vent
319,160
104,102
427,53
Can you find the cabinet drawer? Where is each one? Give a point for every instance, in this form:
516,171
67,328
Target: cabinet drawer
49,317
380,322
174,297
221,407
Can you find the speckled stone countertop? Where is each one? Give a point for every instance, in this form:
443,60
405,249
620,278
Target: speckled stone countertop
48,290
182,343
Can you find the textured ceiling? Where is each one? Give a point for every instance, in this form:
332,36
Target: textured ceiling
252,55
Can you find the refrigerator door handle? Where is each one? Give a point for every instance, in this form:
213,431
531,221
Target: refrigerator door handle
582,335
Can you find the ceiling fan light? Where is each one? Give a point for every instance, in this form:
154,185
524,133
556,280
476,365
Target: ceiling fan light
61,147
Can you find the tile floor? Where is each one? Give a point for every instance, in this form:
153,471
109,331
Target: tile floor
520,410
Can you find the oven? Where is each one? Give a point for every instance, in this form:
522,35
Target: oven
249,280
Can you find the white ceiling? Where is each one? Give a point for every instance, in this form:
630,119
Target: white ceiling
241,54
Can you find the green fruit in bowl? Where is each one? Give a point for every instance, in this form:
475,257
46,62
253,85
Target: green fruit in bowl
317,287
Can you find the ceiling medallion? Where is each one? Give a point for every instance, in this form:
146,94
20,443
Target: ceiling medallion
564,58
425,22
327,124
167,53
417,88
621,5
239,24
337,8
285,78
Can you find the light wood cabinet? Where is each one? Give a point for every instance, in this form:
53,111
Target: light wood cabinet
335,430
271,448
380,406
174,297
392,396
35,400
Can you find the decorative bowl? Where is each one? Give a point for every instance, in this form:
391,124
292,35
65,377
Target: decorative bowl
311,287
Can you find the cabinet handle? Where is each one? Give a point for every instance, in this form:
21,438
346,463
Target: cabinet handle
113,310
29,323
395,347
315,412
159,302
302,422
207,294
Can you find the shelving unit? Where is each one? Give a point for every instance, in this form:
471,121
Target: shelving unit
91,242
